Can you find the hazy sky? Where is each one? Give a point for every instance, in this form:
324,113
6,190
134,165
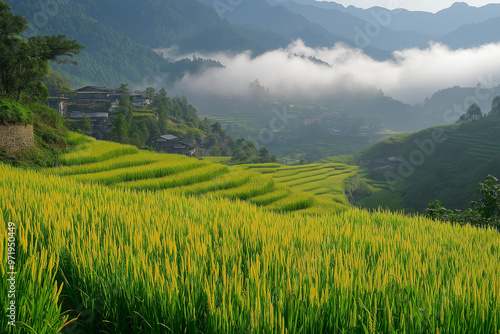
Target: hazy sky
424,5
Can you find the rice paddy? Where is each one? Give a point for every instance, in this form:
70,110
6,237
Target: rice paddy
100,259
311,189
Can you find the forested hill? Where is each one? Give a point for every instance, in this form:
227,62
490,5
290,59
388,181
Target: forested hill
119,37
444,163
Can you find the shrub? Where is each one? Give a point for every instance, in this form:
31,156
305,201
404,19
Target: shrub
12,113
485,213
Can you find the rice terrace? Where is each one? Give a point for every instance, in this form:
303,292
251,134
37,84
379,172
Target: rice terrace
209,264
264,166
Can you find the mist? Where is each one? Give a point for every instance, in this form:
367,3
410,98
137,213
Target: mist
302,72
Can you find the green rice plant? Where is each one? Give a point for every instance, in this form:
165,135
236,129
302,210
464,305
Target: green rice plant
96,259
76,139
192,176
264,166
310,177
266,170
258,185
96,151
226,181
154,170
132,160
293,202
278,193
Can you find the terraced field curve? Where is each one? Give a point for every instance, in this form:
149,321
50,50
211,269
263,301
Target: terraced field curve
312,189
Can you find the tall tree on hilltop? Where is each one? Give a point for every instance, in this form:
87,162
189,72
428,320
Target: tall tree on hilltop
473,114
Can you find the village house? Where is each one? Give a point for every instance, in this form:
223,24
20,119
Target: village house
101,125
94,94
139,100
101,95
59,104
172,144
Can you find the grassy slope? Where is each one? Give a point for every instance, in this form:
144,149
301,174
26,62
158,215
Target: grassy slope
450,173
135,262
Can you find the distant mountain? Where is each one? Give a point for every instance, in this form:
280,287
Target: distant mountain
472,35
164,23
264,15
460,26
351,27
438,24
259,13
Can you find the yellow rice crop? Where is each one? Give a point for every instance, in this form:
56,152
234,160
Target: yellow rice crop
140,262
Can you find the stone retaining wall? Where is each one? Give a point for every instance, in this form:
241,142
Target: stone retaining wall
16,137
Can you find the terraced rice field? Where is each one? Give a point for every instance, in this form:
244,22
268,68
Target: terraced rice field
477,145
323,181
100,259
312,189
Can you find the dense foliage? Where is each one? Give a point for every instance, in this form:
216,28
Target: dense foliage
483,213
172,115
23,65
473,114
12,113
50,137
24,62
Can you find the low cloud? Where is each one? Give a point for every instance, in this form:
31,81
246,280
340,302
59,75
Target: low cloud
411,76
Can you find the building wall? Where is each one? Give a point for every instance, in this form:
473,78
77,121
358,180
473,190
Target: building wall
16,137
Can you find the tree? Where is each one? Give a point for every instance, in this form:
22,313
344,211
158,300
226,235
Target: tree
244,151
485,213
495,107
218,130
85,125
25,62
473,114
264,156
57,85
150,93
119,130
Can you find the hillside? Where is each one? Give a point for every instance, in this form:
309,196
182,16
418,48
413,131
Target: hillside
112,260
118,52
446,105
444,163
